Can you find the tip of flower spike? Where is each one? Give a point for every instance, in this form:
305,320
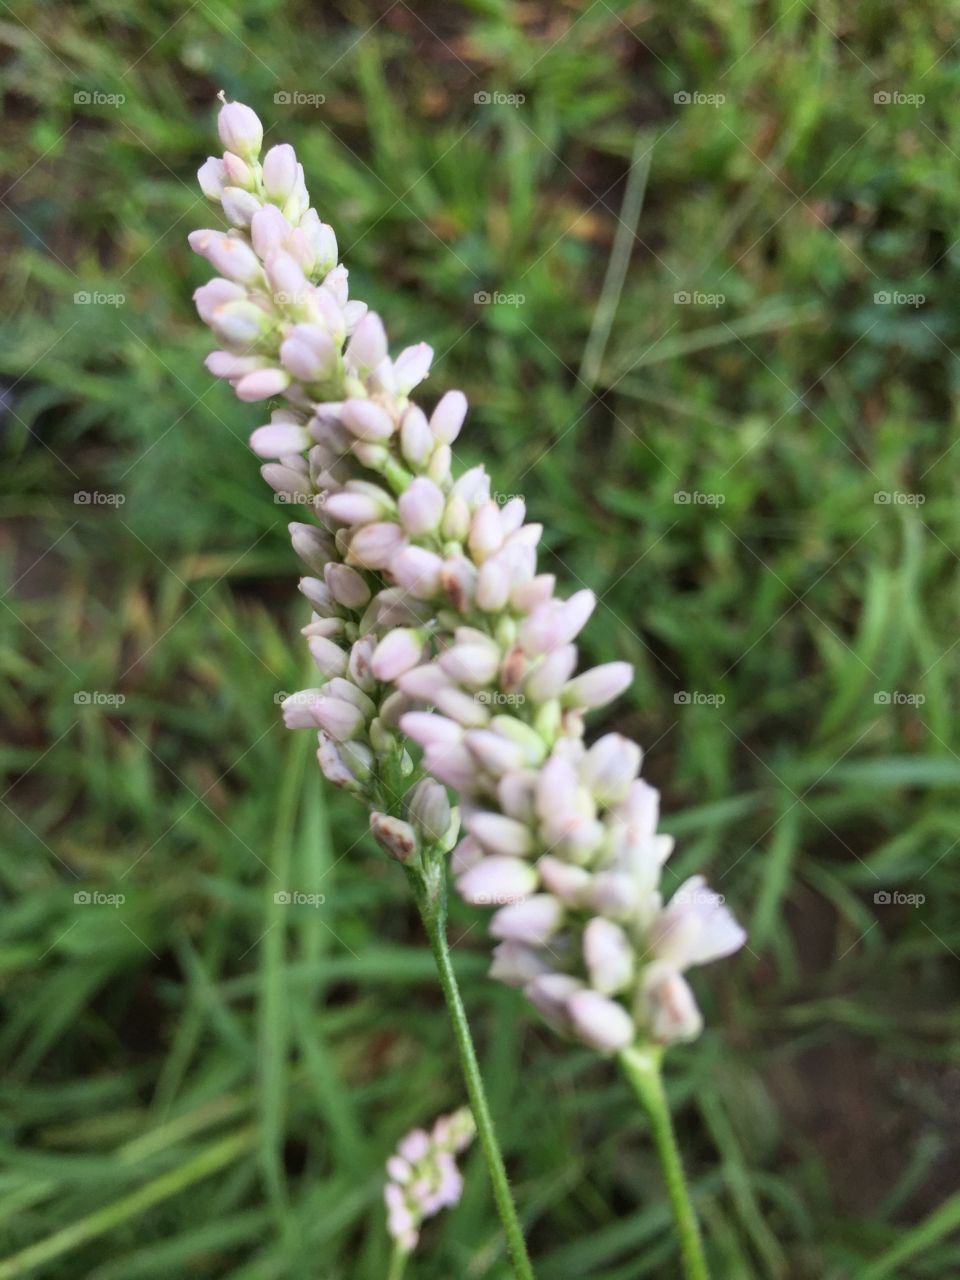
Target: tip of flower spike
240,129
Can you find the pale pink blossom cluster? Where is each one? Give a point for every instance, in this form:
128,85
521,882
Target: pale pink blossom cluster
432,623
423,1177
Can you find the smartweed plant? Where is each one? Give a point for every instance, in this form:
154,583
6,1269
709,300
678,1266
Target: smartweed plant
448,698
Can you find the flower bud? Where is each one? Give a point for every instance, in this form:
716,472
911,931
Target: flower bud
416,441
551,673
486,535
269,230
373,546
332,764
224,364
329,657
240,130
499,834
239,206
397,838
367,420
309,353
285,480
360,503
297,708
473,665
368,346
564,880
671,1010
447,418
428,808
609,767
459,580
599,1022
549,993
320,596
497,880
340,719
312,546
527,596
279,172
240,324
238,172
556,623
417,571
212,176
398,651
533,921
695,927
598,686
346,585
454,766
421,506
214,294
262,384
427,728
609,956
515,965
411,367
495,753
289,285
277,439
463,707
493,587
456,518
228,254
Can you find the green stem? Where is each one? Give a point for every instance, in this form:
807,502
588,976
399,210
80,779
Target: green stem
642,1068
398,1262
430,888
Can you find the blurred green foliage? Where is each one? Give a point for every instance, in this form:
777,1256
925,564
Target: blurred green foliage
201,1082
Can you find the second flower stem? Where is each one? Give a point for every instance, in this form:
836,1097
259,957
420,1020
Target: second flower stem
431,893
641,1066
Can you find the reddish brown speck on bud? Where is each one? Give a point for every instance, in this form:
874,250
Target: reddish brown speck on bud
513,669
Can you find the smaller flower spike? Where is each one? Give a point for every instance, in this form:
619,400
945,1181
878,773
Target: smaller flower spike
422,1175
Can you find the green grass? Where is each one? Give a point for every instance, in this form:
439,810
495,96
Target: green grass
199,1082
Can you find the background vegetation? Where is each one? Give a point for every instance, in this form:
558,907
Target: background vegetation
202,1082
